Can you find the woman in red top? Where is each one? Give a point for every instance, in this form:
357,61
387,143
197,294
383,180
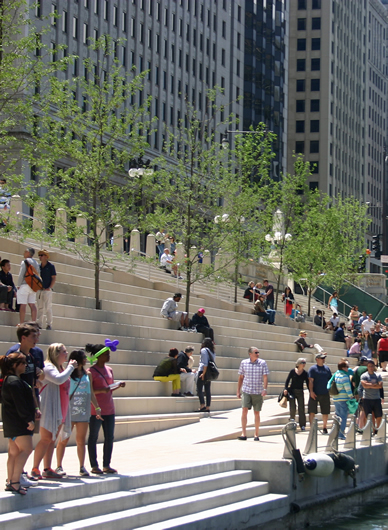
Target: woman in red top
382,348
102,380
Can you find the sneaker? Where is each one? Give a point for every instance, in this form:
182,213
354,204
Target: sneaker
83,472
324,431
303,428
29,477
60,471
50,473
189,394
48,328
181,278
35,473
26,483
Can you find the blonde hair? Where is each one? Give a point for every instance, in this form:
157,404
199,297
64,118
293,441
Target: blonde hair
53,353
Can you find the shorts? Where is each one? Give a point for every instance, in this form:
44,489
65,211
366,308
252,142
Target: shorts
383,356
324,403
176,315
252,400
25,295
372,405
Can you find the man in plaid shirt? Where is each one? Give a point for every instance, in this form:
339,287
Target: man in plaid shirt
251,388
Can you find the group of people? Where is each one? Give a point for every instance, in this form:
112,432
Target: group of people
40,302
45,397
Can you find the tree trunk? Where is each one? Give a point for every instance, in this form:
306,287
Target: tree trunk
97,274
309,290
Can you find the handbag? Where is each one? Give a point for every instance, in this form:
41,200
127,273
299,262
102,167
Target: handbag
212,372
283,402
333,390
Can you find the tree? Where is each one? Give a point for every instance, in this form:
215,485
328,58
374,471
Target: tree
86,136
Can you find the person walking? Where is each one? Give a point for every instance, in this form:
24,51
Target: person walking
207,354
251,388
293,388
333,302
342,381
319,375
45,295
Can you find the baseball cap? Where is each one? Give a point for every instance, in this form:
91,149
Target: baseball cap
321,355
201,310
364,359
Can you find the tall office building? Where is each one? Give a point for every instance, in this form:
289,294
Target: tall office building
188,47
337,97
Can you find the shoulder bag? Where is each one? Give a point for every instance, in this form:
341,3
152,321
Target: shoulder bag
212,372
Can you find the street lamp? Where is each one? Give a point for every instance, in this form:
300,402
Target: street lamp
139,172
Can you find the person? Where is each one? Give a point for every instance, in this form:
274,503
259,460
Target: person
187,374
355,349
289,300
268,315
371,384
200,323
382,349
339,336
44,296
7,286
334,321
167,370
18,416
167,263
367,345
207,354
55,408
248,293
103,385
354,315
169,311
81,396
342,381
318,319
375,334
269,294
368,323
161,238
301,343
333,302
360,369
293,388
25,295
319,375
251,388
363,317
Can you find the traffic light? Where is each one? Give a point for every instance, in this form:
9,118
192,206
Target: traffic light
376,246
361,263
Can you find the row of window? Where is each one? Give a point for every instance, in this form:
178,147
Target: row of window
301,65
301,44
315,85
300,147
301,105
300,126
315,23
315,4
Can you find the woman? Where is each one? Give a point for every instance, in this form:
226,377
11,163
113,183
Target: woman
333,302
382,348
289,300
54,407
102,381
167,370
207,354
294,389
301,343
18,414
248,293
81,396
367,345
344,388
354,315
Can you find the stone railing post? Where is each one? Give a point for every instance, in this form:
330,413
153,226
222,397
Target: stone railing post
82,225
118,239
60,223
134,246
150,246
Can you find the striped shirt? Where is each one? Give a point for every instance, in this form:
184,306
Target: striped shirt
253,373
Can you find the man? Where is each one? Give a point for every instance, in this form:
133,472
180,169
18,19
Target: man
319,376
251,388
368,324
268,315
186,373
49,276
372,384
334,321
318,319
169,311
7,280
200,323
339,336
167,262
25,295
362,318
269,295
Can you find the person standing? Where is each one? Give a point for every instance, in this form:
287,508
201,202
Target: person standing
44,296
201,324
25,295
207,354
372,385
382,348
251,389
319,376
345,393
333,302
289,301
269,294
294,389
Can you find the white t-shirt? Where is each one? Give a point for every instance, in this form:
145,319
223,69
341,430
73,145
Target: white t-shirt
335,321
164,259
367,325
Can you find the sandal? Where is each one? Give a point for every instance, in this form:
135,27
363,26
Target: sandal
109,470
97,471
20,489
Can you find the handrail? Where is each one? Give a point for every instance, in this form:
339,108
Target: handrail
366,292
327,292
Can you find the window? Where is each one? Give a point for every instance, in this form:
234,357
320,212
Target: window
314,105
223,57
314,146
313,186
300,65
314,167
301,4
238,68
317,4
115,15
300,85
96,2
300,105
224,29
124,22
53,18
316,23
85,34
75,27
64,21
315,64
315,44
301,45
156,75
299,128
315,85
314,126
106,9
301,24
238,40
299,147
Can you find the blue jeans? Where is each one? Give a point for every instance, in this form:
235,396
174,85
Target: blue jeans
268,304
108,426
341,409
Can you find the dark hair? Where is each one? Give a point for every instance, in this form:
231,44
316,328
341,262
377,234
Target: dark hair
173,352
4,262
177,295
342,325
79,356
7,362
94,348
318,312
265,281
208,343
31,251
24,330
343,364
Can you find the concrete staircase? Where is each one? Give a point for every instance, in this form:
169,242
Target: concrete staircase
212,496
